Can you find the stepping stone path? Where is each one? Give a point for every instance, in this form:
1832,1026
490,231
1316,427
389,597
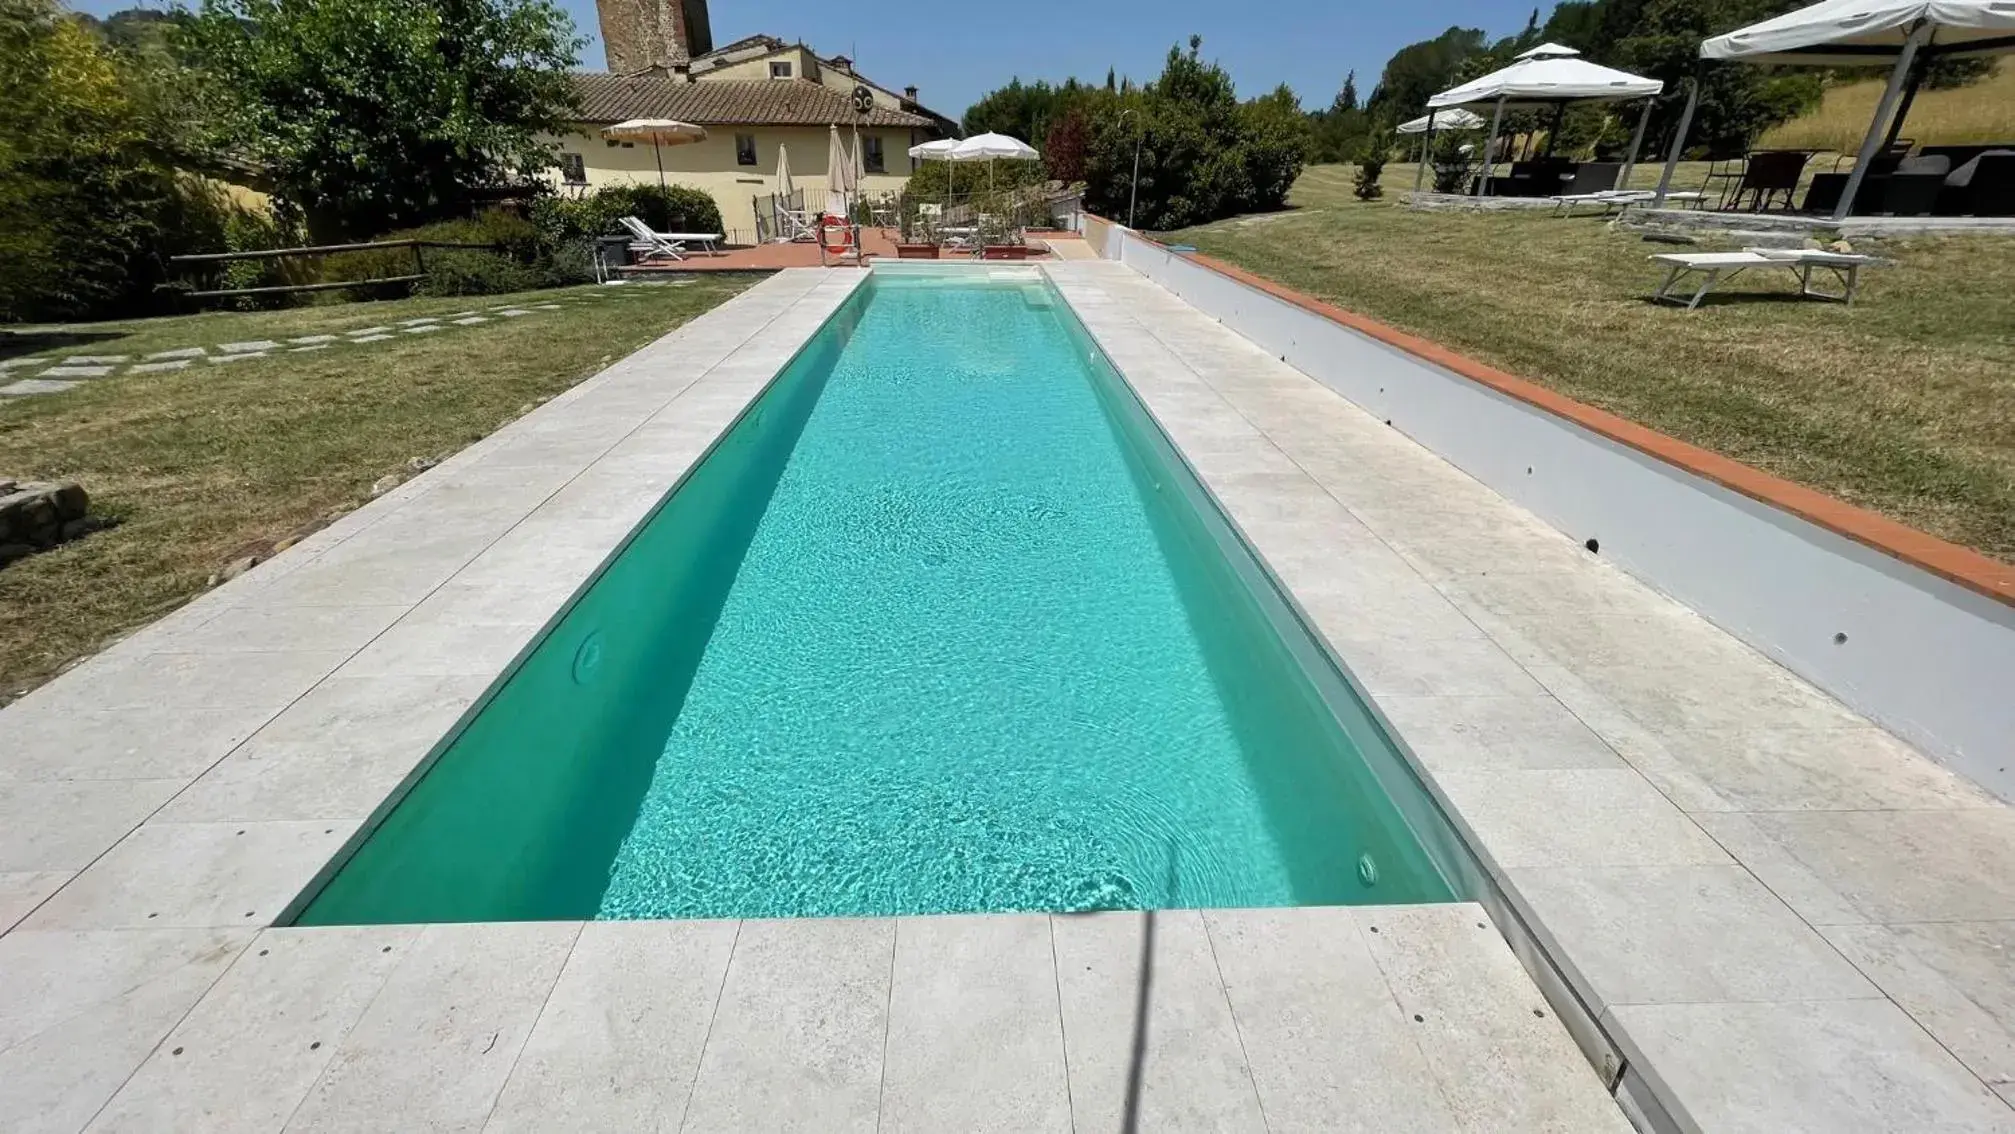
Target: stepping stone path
49,374
35,386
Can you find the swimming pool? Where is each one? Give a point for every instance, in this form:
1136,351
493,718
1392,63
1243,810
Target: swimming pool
942,624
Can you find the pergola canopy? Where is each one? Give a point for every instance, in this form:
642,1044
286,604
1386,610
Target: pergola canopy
1443,120
1547,79
1900,33
1835,32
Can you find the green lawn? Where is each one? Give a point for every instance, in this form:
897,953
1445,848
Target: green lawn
199,466
1903,403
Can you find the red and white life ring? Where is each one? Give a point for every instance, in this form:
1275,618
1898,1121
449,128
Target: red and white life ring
828,225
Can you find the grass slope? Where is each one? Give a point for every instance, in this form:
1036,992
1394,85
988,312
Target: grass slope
1903,403
1979,112
200,464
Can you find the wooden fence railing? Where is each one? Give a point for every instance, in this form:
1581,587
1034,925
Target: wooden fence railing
419,265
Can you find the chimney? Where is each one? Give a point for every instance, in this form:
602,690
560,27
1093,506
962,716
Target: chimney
842,63
910,92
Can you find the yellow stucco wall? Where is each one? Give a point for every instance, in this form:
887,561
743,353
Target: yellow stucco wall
710,165
804,65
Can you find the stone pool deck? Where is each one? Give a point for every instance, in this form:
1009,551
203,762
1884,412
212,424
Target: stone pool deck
1762,912
1776,916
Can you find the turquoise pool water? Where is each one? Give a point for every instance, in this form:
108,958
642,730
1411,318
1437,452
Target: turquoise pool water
941,625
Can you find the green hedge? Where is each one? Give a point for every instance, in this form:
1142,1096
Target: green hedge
666,208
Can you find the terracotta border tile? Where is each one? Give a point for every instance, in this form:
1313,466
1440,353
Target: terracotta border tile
1949,561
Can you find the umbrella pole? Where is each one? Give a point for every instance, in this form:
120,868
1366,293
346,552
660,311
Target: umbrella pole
1636,140
659,154
1426,150
1490,144
1679,138
1903,107
1559,116
1883,108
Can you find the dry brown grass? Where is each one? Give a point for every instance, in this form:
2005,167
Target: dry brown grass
200,464
1903,403
1980,112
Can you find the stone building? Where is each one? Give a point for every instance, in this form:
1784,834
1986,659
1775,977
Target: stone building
754,96
639,35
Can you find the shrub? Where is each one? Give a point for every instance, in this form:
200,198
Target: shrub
1370,166
559,221
468,272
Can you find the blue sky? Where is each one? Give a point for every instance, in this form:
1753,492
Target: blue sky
957,52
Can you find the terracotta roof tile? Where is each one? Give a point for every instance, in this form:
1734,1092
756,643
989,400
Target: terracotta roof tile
724,102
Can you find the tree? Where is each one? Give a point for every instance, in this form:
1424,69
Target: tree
1346,99
1738,101
1063,148
371,115
83,194
1203,155
1419,70
1024,110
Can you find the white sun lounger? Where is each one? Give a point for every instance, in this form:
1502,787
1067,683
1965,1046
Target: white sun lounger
1719,266
1611,200
669,244
1608,200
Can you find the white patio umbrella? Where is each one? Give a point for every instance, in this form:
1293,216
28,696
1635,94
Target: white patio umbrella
990,148
1549,75
1447,120
1835,32
938,149
1426,124
661,132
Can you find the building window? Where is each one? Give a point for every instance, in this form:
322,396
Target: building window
871,154
780,70
745,149
573,169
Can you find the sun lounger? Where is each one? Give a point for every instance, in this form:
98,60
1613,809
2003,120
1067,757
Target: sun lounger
1612,200
667,244
1608,200
1718,266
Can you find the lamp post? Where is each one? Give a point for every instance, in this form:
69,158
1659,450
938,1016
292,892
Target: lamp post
1133,192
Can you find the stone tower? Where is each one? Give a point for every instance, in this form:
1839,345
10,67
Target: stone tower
639,35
